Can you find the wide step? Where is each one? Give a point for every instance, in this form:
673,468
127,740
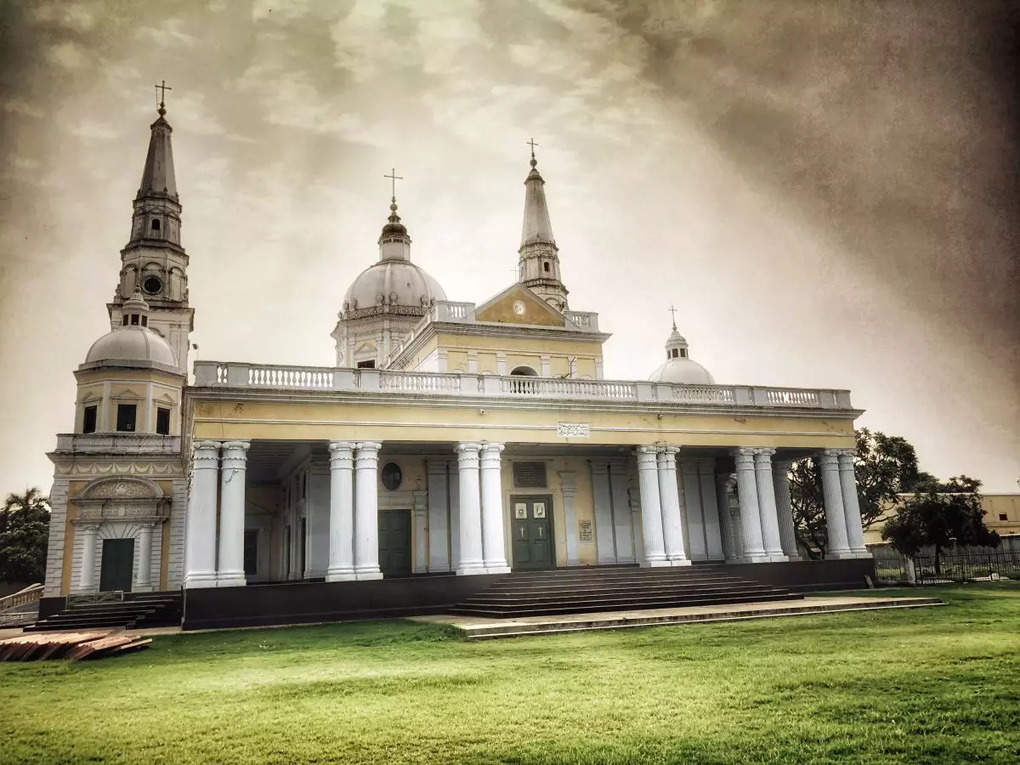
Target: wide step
138,611
615,589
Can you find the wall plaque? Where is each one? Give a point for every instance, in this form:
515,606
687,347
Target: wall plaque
584,531
573,430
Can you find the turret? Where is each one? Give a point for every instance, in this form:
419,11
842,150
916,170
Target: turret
539,263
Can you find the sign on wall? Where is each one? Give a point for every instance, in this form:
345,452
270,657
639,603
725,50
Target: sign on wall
573,430
584,531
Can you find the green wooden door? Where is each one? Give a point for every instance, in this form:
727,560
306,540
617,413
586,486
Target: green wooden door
117,562
532,533
395,542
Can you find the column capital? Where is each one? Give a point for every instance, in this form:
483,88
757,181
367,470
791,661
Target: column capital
846,455
341,454
206,454
89,527
467,446
763,455
489,454
743,455
827,458
368,448
646,457
667,449
236,445
491,446
235,455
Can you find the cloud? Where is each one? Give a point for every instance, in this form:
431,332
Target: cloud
91,130
67,54
18,106
169,34
73,16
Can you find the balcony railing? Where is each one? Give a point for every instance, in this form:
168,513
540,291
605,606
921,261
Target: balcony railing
218,374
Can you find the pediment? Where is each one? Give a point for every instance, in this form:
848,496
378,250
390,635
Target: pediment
121,487
519,305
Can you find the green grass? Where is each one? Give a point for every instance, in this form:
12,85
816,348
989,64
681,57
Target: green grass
925,685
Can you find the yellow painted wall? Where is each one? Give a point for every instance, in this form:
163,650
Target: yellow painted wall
994,505
324,420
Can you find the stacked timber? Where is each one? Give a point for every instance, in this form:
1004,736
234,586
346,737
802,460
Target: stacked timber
69,645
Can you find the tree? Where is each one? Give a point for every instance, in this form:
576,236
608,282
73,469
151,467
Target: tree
940,515
885,466
24,529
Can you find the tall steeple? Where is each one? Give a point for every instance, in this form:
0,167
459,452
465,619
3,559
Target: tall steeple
539,263
153,261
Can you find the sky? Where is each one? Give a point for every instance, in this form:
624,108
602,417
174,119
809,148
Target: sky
826,191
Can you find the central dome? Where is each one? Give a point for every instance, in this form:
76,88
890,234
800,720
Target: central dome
393,283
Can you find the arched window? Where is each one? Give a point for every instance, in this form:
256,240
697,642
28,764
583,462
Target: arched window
524,386
545,266
524,371
155,225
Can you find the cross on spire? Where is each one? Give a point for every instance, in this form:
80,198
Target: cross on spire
162,88
531,142
393,182
672,311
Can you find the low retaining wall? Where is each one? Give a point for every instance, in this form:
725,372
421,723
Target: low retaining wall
810,575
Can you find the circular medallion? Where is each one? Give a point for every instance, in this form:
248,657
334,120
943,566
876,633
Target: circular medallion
519,307
392,476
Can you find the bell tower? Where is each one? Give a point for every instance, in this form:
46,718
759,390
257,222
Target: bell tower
153,261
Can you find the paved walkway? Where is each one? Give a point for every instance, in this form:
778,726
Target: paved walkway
480,628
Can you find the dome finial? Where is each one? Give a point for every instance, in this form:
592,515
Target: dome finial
531,142
393,193
672,310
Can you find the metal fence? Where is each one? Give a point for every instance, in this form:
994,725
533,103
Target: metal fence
959,565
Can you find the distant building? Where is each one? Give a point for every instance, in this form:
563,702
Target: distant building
1002,515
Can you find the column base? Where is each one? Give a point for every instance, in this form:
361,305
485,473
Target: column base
340,575
757,559
470,569
839,554
368,575
659,563
231,579
681,562
198,579
497,569
862,554
779,558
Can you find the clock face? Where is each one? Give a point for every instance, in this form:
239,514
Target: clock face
152,285
519,307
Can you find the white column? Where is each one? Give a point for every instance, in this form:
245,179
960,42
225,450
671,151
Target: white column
439,516
341,511
366,511
605,533
747,495
851,504
87,575
695,515
835,519
232,475
568,489
672,517
710,509
453,487
493,542
143,582
421,534
472,557
200,544
623,515
767,505
654,553
784,507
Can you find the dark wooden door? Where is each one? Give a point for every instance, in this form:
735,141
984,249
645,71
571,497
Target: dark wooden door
117,562
531,525
395,542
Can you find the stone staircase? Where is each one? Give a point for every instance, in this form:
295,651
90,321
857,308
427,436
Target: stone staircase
622,588
135,611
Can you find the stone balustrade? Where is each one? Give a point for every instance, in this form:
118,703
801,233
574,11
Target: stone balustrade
124,443
217,374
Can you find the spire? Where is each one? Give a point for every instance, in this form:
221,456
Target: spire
158,175
539,263
537,227
394,242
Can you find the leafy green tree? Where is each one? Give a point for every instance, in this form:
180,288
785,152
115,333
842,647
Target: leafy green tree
884,466
940,515
24,529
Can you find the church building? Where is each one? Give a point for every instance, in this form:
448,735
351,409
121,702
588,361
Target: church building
454,445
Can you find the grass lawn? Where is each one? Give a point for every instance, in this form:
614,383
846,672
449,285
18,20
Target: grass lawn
926,685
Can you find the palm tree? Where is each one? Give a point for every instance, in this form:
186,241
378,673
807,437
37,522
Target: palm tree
31,505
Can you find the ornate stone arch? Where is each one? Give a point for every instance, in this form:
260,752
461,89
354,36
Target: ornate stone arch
122,498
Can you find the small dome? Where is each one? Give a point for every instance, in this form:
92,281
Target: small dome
393,282
682,371
131,346
679,367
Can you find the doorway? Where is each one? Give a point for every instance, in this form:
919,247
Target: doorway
117,564
395,542
531,526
